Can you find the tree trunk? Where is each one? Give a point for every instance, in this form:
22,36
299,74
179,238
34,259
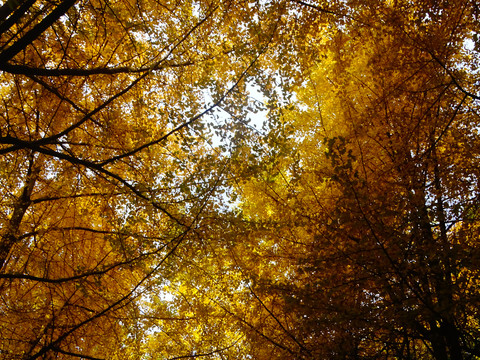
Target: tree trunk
10,235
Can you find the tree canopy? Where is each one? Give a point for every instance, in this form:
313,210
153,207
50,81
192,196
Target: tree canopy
146,214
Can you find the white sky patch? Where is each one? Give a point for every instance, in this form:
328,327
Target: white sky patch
468,44
258,119
219,116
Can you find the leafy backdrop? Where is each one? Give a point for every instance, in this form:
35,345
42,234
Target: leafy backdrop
138,221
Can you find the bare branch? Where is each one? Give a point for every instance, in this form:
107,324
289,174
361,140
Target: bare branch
31,71
82,356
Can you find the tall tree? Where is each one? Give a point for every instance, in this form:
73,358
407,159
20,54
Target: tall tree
106,166
365,212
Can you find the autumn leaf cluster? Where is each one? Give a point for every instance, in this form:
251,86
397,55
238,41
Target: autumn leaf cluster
239,179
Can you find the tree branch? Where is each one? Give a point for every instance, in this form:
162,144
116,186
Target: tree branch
82,356
32,71
452,76
8,8
38,29
45,349
193,119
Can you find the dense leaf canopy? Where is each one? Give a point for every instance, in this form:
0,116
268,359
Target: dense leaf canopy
239,179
